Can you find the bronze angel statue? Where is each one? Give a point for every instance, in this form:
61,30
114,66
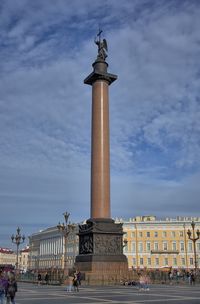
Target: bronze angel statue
102,46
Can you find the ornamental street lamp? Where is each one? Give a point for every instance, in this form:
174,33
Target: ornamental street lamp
191,236
65,229
17,239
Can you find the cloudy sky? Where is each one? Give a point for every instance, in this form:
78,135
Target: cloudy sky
46,50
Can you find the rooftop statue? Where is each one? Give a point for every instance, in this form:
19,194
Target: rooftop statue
102,46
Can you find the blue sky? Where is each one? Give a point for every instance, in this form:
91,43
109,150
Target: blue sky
46,50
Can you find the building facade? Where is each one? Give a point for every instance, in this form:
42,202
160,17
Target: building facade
7,258
24,259
155,244
50,250
148,243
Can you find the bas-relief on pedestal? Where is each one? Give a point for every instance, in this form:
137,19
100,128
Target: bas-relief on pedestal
100,239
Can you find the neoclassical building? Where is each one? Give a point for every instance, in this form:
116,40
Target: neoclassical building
49,249
148,243
152,243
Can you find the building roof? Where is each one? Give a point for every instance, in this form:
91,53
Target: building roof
6,250
25,250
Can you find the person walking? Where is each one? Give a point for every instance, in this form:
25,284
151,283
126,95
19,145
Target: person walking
75,282
69,283
141,282
39,278
46,278
79,277
146,282
11,290
192,279
3,287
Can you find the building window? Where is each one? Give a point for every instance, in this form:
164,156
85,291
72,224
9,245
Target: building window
183,261
173,234
141,261
132,234
174,246
165,246
157,261
149,261
164,234
155,246
191,261
140,246
198,246
181,233
166,261
148,246
148,234
181,246
133,247
175,261
140,233
156,234
190,246
134,261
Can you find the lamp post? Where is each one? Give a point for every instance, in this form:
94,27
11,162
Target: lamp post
17,239
65,229
191,236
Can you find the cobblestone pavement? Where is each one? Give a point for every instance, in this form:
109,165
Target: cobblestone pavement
33,294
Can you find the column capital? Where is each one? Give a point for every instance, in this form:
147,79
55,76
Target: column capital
100,73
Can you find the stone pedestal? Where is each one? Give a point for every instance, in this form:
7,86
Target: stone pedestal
101,256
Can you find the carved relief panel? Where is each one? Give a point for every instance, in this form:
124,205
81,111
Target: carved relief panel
107,244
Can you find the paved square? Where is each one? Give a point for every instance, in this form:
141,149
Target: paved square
33,294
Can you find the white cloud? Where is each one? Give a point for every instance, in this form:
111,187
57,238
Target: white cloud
45,109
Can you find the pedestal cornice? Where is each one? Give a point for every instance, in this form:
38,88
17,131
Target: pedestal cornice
94,76
100,73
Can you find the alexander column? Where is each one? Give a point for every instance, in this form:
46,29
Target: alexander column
100,239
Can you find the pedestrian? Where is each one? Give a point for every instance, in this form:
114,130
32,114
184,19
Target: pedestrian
192,279
39,278
46,278
11,290
79,277
75,282
3,287
141,282
69,283
146,282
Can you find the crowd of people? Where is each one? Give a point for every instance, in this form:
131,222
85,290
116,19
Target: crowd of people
8,287
142,282
8,284
176,275
72,281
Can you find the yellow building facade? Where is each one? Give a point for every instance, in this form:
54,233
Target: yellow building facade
24,259
155,244
7,257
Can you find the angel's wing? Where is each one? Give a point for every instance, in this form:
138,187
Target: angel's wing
105,46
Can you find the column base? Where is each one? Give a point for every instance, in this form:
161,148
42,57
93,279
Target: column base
101,257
